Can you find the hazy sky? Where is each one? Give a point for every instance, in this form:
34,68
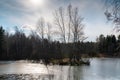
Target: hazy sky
27,12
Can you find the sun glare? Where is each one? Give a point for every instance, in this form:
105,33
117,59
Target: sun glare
37,2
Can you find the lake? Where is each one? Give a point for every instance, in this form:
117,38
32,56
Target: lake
99,69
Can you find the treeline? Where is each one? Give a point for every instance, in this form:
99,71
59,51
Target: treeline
109,45
19,46
39,44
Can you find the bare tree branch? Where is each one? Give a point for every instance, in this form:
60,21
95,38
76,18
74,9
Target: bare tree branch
41,27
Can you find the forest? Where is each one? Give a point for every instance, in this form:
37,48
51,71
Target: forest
18,46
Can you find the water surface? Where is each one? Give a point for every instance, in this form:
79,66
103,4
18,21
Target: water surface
99,69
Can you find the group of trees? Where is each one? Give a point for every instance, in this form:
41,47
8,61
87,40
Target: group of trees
69,22
19,46
109,45
39,43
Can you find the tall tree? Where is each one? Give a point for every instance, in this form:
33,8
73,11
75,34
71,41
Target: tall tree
1,40
41,27
69,23
101,44
49,31
77,26
60,22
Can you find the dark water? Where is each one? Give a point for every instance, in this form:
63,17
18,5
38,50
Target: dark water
99,69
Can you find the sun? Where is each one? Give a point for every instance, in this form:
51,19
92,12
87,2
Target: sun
37,2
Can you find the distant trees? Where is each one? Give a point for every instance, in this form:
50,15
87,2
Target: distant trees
108,45
19,46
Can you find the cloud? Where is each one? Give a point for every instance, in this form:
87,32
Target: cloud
24,13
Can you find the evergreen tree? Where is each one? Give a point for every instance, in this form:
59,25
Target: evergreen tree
1,41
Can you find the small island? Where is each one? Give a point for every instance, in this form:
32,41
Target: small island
67,61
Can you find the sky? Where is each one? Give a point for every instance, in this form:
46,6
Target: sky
25,14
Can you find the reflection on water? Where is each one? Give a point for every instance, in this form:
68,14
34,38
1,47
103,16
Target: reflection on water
100,69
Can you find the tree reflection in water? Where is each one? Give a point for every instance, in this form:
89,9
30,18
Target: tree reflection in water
69,73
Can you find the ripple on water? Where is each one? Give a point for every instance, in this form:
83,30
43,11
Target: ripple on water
26,77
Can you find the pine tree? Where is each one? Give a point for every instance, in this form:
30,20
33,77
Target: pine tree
1,40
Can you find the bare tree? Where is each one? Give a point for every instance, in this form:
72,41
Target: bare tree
41,27
113,12
69,23
49,31
60,22
77,26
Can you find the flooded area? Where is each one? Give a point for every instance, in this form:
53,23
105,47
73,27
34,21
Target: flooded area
99,69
